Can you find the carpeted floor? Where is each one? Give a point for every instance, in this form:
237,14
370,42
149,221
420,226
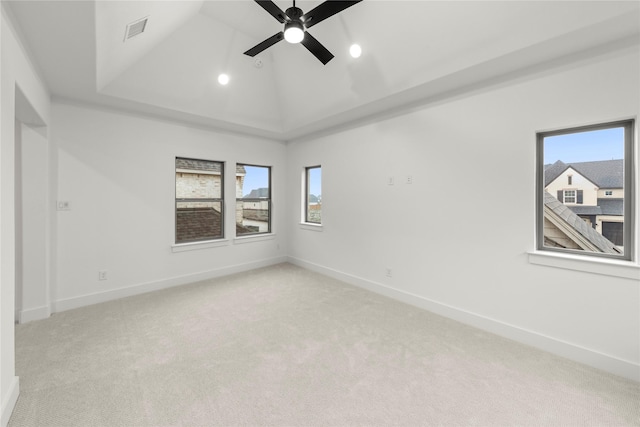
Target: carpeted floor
283,346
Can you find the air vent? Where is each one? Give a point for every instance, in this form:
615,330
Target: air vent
135,28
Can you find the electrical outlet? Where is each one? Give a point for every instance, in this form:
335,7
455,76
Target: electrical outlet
389,273
409,179
102,275
390,180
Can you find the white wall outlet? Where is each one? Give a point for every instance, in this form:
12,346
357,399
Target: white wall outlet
388,272
409,179
64,205
102,275
390,180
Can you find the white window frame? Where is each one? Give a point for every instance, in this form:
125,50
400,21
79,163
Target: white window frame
305,197
217,241
569,194
630,205
268,199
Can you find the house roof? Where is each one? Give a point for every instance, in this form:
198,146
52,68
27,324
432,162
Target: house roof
573,222
603,173
203,165
604,207
585,210
611,206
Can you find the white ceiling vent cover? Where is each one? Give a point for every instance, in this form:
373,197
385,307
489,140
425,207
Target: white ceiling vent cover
135,28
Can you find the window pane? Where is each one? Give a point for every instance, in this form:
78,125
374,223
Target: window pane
580,168
314,195
254,217
199,200
198,221
253,199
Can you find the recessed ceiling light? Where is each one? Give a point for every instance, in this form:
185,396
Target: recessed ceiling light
355,50
223,79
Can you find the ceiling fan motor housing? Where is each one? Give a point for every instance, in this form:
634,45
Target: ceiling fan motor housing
294,13
296,24
294,29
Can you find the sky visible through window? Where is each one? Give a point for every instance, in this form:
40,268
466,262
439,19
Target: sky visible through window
604,144
256,177
315,181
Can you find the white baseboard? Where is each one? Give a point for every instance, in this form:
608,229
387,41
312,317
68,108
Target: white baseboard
31,314
605,362
99,297
9,402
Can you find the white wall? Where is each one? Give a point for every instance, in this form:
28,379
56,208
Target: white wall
456,244
33,210
118,173
16,71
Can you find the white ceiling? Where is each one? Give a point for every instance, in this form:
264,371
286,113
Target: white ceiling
413,51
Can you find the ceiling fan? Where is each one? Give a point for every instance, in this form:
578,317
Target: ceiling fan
296,23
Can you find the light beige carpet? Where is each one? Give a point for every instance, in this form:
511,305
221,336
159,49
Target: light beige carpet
283,346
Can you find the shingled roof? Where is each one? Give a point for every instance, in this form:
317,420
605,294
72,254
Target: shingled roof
203,165
560,213
603,173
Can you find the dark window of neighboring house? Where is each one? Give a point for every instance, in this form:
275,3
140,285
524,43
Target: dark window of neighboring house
602,156
253,199
199,200
613,231
313,195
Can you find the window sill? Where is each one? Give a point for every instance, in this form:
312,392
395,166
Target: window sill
253,238
310,226
192,246
606,267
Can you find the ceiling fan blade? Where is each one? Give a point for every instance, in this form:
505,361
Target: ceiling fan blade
265,44
325,10
315,47
274,10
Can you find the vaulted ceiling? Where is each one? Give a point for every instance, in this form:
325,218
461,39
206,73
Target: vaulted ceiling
413,52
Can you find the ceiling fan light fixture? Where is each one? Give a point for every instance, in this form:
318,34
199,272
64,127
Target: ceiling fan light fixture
293,32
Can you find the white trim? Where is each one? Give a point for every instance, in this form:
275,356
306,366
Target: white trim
595,265
9,403
31,314
253,238
99,297
192,246
310,226
605,362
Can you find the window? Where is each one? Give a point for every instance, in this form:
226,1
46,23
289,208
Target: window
313,194
580,220
569,196
199,200
253,199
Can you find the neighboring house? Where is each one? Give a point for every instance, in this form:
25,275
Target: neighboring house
256,205
593,191
197,179
565,229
